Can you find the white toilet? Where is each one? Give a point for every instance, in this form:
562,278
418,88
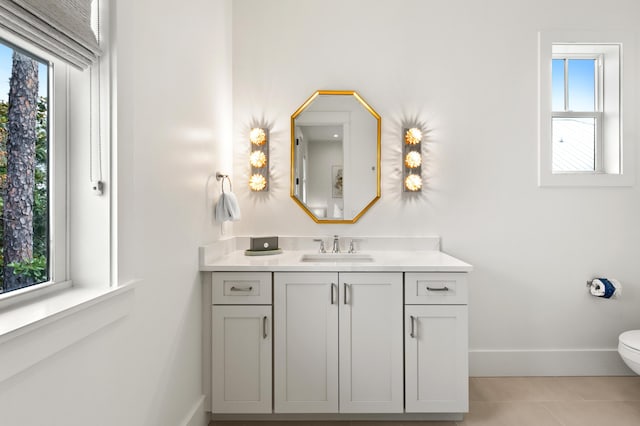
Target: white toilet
629,349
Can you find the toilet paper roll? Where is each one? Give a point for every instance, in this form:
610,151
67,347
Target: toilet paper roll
605,287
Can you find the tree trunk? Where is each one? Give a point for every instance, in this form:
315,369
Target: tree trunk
21,144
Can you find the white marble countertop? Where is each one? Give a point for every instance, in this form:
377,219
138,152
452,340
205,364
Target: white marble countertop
382,260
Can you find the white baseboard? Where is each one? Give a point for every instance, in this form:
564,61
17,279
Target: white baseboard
584,362
196,416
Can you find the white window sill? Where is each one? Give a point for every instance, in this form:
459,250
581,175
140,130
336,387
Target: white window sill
547,178
33,331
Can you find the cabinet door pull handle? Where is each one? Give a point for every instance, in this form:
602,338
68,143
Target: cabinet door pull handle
333,293
234,288
345,294
413,328
264,327
445,288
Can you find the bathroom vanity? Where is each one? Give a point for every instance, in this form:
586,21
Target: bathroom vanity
377,334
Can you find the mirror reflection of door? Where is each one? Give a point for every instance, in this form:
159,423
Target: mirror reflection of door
299,166
323,188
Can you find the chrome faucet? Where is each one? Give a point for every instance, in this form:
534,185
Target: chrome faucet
321,241
336,244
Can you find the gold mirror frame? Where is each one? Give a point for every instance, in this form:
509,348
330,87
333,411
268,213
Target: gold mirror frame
299,111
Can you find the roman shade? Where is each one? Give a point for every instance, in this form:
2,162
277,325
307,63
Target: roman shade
60,27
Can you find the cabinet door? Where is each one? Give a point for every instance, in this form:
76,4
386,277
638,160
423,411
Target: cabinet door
436,359
306,342
371,343
241,359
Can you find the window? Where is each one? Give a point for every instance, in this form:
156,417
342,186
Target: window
576,117
60,108
79,223
40,261
24,169
582,80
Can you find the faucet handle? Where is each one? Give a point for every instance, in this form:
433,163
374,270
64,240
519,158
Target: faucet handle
321,241
352,246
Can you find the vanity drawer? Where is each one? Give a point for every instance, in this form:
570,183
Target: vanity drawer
435,288
241,288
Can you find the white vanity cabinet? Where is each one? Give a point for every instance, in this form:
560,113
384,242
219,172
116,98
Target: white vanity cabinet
338,342
336,337
241,347
436,343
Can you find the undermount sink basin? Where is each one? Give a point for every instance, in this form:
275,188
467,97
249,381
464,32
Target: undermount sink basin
337,257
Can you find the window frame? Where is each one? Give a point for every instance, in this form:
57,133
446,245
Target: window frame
58,80
597,113
615,147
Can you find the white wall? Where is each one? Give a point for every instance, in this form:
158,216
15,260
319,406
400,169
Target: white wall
467,71
173,123
360,177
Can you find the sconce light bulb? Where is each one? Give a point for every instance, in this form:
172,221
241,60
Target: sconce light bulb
257,182
413,182
413,159
257,136
257,159
413,136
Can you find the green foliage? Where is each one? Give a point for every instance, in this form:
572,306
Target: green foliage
35,269
40,192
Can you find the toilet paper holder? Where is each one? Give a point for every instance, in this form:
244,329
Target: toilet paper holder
590,282
604,287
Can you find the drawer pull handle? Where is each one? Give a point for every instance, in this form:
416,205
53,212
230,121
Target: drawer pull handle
264,327
234,288
413,328
345,294
445,288
333,295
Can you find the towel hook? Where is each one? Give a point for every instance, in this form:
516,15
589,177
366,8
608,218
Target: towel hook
220,176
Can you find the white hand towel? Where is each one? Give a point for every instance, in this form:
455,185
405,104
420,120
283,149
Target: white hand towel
232,206
227,208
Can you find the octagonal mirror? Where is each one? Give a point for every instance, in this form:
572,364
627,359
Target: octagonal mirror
335,156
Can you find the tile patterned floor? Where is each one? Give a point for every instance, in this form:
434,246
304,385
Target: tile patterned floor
530,401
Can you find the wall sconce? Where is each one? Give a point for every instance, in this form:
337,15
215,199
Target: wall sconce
412,158
259,159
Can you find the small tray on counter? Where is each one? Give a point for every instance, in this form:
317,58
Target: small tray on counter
249,252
